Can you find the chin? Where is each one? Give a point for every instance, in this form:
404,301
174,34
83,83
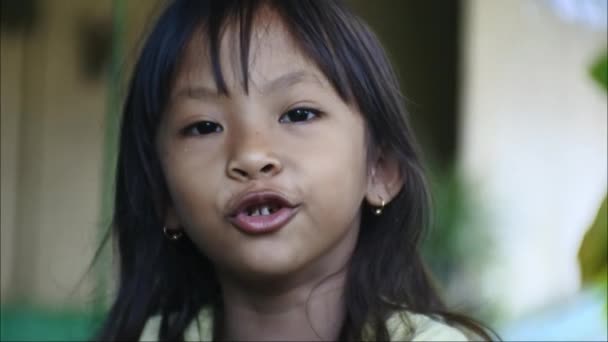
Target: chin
272,265
269,265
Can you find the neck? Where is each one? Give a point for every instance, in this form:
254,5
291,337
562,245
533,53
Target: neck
306,312
307,305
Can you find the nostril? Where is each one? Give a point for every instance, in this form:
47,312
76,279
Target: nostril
240,172
267,168
252,169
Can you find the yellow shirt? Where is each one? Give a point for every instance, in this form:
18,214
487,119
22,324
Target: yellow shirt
426,328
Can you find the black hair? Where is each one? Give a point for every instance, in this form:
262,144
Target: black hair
176,280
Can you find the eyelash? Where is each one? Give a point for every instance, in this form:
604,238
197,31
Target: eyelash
300,110
208,127
202,128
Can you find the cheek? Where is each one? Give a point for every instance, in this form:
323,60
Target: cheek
192,181
336,173
194,195
342,156
340,188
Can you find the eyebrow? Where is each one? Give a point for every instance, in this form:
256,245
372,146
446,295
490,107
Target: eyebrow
287,80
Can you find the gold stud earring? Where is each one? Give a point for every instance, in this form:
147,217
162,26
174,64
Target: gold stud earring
172,235
378,210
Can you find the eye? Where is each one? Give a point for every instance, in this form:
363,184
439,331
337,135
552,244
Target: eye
202,128
299,115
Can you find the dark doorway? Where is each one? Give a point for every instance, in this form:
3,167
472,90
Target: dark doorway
422,38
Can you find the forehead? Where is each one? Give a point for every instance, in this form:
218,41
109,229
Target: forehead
272,52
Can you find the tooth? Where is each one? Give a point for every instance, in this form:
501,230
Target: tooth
265,210
256,212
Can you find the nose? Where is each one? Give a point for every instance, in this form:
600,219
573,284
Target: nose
253,160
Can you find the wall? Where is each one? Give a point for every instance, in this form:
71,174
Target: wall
53,123
10,108
534,135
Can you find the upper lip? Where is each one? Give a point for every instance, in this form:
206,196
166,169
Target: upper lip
257,197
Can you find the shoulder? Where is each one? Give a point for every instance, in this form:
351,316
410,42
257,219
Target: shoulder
405,325
200,329
151,329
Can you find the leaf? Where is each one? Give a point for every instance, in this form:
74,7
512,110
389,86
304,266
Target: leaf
593,253
599,70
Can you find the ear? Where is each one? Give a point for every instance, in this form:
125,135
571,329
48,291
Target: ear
384,180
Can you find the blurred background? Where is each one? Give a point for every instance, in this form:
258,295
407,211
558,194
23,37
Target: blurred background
508,98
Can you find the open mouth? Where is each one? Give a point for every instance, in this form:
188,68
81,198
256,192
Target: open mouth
262,212
260,204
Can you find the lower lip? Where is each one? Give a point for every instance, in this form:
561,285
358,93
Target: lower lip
263,224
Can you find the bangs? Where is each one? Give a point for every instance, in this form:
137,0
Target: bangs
304,23
333,39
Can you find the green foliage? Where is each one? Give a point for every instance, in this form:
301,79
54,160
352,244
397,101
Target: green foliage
453,241
599,70
24,323
458,245
593,253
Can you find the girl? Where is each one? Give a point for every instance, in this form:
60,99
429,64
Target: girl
268,184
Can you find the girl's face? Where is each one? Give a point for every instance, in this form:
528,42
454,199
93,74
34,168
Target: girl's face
290,134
